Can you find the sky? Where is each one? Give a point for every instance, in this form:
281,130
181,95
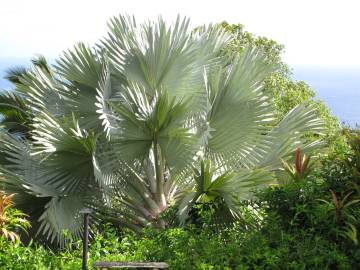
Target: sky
315,33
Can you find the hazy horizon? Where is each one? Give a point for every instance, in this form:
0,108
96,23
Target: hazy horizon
339,87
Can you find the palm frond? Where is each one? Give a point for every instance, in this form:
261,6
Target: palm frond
81,66
231,186
154,55
289,134
15,74
41,62
61,218
239,112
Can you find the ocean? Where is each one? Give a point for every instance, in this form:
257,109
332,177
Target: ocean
338,87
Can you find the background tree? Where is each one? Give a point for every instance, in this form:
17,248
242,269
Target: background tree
286,91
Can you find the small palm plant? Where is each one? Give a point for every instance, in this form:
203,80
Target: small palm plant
11,220
214,187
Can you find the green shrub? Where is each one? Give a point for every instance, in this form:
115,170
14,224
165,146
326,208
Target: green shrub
231,249
188,248
322,207
291,229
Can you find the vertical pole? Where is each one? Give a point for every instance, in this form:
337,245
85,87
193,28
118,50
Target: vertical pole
86,213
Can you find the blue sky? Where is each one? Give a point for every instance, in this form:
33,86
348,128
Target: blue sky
316,33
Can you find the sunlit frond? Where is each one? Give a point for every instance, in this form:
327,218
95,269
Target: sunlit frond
240,112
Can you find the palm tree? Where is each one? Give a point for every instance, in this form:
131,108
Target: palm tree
124,125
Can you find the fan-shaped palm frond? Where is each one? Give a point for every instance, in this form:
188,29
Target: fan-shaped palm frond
36,172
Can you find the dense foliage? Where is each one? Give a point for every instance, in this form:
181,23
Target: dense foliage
298,230
55,148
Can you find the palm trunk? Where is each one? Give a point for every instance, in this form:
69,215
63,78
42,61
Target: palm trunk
159,170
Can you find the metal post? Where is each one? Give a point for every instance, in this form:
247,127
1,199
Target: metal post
86,213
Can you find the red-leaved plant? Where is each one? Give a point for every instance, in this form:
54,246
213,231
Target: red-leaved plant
302,167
